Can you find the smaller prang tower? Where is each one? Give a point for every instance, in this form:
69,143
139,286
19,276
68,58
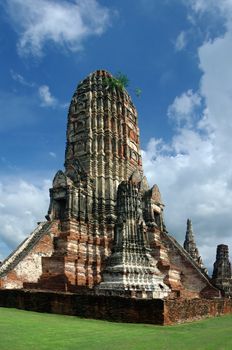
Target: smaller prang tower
131,267
222,270
191,247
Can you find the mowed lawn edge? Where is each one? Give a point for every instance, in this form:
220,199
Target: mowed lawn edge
20,330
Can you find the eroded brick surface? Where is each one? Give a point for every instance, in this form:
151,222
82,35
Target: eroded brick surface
89,305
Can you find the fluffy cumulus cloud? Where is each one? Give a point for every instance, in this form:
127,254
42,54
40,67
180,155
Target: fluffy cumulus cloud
22,204
62,23
184,108
194,171
47,100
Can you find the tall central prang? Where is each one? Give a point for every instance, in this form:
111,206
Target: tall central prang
102,142
102,150
102,197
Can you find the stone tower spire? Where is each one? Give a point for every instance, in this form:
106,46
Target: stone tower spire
102,149
222,270
102,121
100,198
190,246
102,139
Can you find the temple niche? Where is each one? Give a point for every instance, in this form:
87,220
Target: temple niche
104,232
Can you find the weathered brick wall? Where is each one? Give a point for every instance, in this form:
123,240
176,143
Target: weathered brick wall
184,276
156,311
77,260
85,305
183,310
26,266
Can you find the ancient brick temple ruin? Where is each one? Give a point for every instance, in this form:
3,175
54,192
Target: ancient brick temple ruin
104,231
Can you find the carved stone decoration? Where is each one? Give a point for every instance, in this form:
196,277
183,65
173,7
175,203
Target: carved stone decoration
222,277
153,207
131,267
191,248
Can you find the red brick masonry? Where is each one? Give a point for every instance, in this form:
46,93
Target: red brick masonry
156,311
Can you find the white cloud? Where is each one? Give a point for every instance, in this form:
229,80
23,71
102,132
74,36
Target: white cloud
23,204
195,175
183,109
216,7
201,5
45,95
193,184
20,79
213,12
181,41
47,100
63,23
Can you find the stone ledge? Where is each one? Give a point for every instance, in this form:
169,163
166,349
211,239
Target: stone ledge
118,309
89,306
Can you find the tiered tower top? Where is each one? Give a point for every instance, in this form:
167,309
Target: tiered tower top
102,132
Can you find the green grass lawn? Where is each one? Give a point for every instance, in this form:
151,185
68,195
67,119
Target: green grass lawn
20,330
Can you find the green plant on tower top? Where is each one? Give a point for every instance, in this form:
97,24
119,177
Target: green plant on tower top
120,81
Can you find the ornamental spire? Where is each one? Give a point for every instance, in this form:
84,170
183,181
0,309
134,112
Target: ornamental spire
191,247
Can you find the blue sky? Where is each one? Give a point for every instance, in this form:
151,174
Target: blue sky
177,52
